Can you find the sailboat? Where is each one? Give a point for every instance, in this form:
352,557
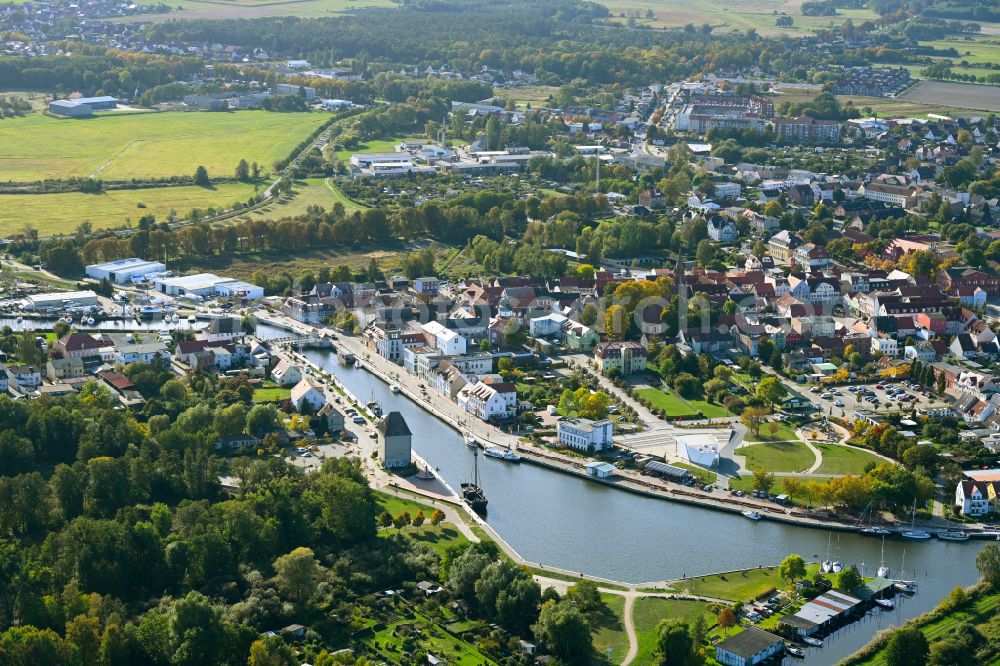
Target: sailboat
873,529
883,570
827,566
905,586
913,533
471,492
373,405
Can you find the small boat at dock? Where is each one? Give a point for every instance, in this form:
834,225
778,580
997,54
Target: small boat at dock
916,535
907,586
394,388
815,642
796,652
752,515
887,604
953,535
471,442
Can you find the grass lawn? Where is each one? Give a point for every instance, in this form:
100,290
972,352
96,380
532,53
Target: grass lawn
703,475
608,631
710,410
778,456
396,505
431,638
649,611
782,432
373,146
670,403
54,214
271,394
739,586
844,460
976,613
438,537
305,193
148,144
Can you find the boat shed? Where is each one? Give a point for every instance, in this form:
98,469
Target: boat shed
750,646
657,468
822,612
601,470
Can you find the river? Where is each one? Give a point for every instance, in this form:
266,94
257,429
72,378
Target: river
562,521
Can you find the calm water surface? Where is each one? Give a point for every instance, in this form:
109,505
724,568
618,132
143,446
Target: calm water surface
562,521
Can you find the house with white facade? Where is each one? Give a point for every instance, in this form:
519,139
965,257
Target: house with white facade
445,340
23,377
307,395
286,374
722,230
975,498
584,434
489,401
143,352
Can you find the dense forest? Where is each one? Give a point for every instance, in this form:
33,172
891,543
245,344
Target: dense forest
556,41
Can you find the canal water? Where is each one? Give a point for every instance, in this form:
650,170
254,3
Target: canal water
563,521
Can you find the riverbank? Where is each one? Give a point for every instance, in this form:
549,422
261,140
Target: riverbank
978,604
629,481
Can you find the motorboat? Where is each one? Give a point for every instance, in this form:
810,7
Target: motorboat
953,535
906,586
836,567
796,652
192,319
471,442
888,604
752,515
394,388
815,642
876,531
826,567
502,454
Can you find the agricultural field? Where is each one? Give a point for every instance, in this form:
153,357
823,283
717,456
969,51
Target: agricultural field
536,95
53,214
886,107
247,9
740,15
963,95
390,259
148,145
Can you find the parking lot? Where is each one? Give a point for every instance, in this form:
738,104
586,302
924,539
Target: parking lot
887,395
